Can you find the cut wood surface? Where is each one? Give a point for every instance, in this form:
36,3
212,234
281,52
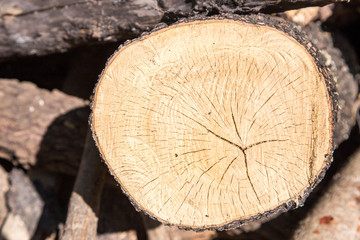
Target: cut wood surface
210,123
71,23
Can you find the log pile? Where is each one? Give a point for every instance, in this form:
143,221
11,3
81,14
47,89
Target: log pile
44,164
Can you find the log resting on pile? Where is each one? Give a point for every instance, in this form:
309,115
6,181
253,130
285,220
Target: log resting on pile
36,27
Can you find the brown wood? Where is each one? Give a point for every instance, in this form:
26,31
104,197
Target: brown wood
255,6
346,83
43,128
71,23
25,207
167,104
82,217
336,215
4,188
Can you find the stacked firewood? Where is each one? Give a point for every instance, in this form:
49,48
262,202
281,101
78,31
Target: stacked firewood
50,57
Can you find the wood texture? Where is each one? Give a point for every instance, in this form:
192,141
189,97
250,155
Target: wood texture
336,215
346,83
212,123
82,217
255,6
4,188
25,207
42,128
71,23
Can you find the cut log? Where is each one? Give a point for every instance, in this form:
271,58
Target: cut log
214,122
70,23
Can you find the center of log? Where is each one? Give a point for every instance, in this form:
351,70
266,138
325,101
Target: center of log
208,122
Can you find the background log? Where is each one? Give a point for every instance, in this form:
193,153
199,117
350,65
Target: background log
82,217
25,207
255,6
336,214
346,82
36,27
42,128
4,187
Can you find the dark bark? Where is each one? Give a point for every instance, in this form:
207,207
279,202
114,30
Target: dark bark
256,6
346,84
36,27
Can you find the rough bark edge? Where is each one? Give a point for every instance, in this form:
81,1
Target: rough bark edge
259,6
335,214
117,23
294,31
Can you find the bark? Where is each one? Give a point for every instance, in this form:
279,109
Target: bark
42,128
24,30
25,207
255,6
71,23
336,215
346,84
82,217
345,15
4,187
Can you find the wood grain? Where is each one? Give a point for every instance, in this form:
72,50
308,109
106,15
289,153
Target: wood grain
209,123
